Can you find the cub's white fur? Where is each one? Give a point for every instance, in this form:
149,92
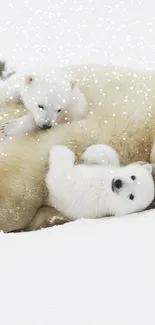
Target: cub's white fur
95,191
100,154
46,94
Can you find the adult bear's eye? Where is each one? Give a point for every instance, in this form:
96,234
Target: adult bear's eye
133,177
131,197
59,110
41,106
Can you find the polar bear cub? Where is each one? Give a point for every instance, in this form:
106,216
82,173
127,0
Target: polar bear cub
95,191
46,94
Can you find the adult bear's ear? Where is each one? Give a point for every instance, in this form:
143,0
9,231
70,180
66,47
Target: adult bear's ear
73,84
28,80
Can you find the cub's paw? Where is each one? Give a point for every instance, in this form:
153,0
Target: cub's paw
100,154
9,128
62,153
60,149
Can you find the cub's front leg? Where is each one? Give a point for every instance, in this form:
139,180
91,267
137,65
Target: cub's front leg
100,154
61,158
20,125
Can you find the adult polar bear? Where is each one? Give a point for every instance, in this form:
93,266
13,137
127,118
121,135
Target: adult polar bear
47,91
122,104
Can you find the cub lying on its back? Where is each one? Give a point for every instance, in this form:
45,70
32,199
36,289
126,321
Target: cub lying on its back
95,191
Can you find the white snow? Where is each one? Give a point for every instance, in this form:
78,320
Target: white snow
94,272
86,272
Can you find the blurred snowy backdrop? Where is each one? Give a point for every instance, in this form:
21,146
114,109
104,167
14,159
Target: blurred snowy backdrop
70,31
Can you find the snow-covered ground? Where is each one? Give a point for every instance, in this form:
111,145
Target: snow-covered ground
90,272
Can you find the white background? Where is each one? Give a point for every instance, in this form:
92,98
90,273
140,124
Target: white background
67,31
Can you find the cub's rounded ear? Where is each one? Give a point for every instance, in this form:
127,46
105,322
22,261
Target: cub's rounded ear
148,167
73,84
141,162
28,80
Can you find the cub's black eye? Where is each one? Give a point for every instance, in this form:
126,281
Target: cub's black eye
59,110
41,106
133,177
131,197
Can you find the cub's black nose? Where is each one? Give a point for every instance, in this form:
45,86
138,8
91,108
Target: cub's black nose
118,183
45,126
